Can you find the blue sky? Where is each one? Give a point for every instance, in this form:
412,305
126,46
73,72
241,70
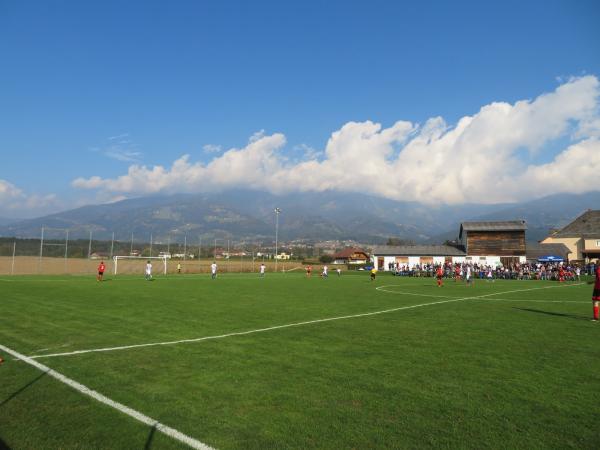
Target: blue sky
91,89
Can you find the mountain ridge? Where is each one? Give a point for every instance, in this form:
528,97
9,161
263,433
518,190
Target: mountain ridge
249,216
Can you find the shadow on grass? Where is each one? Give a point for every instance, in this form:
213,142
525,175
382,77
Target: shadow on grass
3,445
549,313
14,394
148,445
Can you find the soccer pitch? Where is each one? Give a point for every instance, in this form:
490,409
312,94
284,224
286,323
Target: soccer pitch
288,362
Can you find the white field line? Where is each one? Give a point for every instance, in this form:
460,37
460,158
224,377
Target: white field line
381,288
171,432
532,301
278,327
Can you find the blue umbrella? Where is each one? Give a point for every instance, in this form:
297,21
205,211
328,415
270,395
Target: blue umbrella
550,258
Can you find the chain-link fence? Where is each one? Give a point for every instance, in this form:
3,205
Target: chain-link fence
61,251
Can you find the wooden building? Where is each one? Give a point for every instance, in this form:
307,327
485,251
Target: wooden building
494,243
582,237
351,255
484,243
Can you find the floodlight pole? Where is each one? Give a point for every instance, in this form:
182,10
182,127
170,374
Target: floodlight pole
112,244
277,212
184,247
131,248
90,246
150,244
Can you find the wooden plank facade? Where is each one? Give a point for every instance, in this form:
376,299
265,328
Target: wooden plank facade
499,243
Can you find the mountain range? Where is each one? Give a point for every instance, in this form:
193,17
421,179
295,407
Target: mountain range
246,215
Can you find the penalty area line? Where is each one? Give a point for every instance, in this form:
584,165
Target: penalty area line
165,429
276,327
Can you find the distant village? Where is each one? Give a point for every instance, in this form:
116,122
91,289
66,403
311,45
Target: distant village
491,243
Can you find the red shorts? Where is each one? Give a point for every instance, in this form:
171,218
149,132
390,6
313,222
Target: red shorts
596,295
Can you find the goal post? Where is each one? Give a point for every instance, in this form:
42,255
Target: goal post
139,263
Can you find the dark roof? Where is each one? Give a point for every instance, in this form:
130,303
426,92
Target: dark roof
501,225
349,251
418,250
586,225
536,250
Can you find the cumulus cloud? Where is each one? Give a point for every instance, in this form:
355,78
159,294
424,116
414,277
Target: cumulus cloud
486,157
16,203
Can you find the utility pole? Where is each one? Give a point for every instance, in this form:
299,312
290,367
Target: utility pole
277,212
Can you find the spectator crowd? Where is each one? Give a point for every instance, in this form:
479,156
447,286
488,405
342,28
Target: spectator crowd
519,271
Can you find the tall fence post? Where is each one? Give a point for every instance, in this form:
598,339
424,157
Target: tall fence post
12,266
66,251
112,245
41,251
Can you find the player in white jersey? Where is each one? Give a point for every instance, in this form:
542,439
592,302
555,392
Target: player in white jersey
325,274
468,276
213,270
148,272
262,270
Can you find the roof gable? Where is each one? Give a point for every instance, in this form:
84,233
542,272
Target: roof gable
586,225
500,225
349,251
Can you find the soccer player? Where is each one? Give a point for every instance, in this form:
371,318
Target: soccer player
148,275
213,270
596,292
373,273
468,276
101,269
308,271
178,267
262,270
339,272
325,274
439,274
561,274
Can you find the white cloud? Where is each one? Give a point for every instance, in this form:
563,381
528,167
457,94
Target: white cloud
212,148
121,148
480,159
16,203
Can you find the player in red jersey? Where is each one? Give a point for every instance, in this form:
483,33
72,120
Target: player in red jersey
561,274
596,293
308,271
101,269
439,274
457,272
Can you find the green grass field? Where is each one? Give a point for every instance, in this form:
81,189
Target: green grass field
510,364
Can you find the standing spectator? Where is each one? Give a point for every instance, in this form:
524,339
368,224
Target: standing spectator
596,293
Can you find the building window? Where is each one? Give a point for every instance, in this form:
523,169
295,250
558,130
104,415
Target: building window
597,243
482,258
